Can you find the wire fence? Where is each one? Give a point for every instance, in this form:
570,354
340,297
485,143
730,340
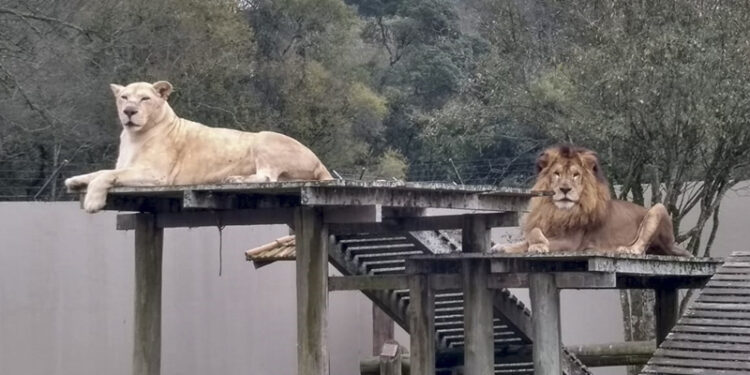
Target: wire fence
26,182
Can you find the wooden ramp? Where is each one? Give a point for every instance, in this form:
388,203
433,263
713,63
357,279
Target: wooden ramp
713,337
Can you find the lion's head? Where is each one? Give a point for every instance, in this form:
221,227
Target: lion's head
581,193
141,105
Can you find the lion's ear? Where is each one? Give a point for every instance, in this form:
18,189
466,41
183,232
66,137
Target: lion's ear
542,161
591,161
115,88
164,88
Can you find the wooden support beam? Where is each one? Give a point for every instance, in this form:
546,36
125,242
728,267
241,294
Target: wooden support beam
545,320
421,315
666,311
421,223
193,219
312,292
368,282
217,200
147,320
479,352
383,329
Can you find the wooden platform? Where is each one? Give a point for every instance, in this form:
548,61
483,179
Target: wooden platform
714,335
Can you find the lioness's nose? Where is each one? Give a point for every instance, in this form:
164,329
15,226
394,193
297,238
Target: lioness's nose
130,111
565,190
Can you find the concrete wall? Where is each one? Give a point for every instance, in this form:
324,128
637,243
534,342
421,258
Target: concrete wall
66,299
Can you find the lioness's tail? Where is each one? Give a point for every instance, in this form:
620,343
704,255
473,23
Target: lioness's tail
321,173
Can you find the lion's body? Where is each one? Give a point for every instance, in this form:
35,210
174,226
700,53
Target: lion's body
159,148
581,216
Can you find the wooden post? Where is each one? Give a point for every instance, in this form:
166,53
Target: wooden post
421,316
312,292
545,321
147,320
390,358
666,311
382,329
479,354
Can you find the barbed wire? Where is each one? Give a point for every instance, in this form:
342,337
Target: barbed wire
27,182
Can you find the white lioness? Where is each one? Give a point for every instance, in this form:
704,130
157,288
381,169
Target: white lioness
159,148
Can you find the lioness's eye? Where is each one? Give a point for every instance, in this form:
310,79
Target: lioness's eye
145,98
557,174
576,175
124,97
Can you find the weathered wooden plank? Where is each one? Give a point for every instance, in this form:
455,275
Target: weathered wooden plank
717,314
421,315
478,315
545,319
715,322
147,320
563,280
730,277
700,354
723,298
421,223
689,345
614,354
666,312
711,329
192,219
193,199
728,284
423,198
368,282
729,339
726,291
675,370
312,292
701,363
735,270
721,306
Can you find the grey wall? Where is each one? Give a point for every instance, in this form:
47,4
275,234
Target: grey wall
66,298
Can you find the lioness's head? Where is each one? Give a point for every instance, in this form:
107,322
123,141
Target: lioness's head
140,105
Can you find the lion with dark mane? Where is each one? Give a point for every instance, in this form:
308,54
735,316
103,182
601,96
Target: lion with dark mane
581,216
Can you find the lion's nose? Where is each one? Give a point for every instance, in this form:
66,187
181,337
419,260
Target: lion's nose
565,190
130,111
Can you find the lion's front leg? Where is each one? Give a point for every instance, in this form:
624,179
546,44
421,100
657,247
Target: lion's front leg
518,247
82,180
538,242
96,193
656,218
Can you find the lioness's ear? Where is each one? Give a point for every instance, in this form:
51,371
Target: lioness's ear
164,88
542,162
115,89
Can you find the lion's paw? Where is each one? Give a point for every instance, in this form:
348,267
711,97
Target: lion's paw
75,182
538,248
94,202
234,179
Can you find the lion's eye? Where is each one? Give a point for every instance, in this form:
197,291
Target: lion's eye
143,99
576,175
124,97
557,174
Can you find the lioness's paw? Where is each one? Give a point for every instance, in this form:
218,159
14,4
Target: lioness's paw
234,180
75,182
94,202
538,248
497,249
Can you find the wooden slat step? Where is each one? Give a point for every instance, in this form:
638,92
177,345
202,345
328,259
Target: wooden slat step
724,365
699,354
715,322
710,330
726,271
723,299
721,306
718,314
735,339
726,291
671,370
739,348
728,284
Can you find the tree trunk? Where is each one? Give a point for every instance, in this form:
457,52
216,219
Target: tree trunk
638,317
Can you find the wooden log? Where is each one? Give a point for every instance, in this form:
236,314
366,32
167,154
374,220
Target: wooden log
312,292
421,315
147,319
479,341
545,320
666,311
631,353
390,358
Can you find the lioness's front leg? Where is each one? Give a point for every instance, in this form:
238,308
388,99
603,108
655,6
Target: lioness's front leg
518,247
96,193
656,218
